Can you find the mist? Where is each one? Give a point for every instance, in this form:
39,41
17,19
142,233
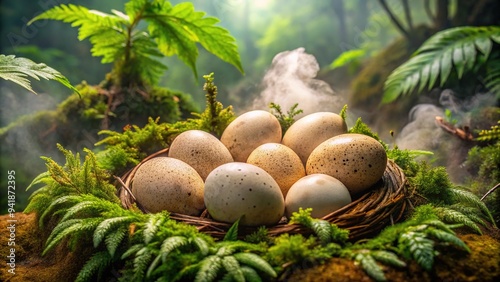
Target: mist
291,79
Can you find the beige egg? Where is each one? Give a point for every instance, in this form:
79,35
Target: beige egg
201,150
357,160
281,162
235,190
165,183
321,192
308,132
250,130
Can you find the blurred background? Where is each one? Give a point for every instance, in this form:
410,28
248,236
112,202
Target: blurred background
373,39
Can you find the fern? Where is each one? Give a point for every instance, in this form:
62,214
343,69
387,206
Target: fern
470,199
256,262
326,231
370,266
233,268
459,48
417,246
153,225
492,134
232,233
115,238
95,265
171,30
18,70
453,216
107,225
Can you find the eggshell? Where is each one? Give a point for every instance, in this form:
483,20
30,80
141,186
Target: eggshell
239,189
357,160
250,130
281,162
321,192
201,150
308,132
165,183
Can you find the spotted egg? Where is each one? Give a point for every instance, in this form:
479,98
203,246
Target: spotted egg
250,130
309,131
165,183
201,150
281,162
240,190
357,160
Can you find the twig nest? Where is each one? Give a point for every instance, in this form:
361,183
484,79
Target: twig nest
201,150
281,162
250,130
308,132
321,192
165,183
357,160
240,190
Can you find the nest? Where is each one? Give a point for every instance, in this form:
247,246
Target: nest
385,203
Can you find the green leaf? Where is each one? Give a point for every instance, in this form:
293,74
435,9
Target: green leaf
96,264
256,262
152,226
436,57
106,226
323,230
209,269
19,69
170,244
114,239
232,233
370,266
232,266
347,57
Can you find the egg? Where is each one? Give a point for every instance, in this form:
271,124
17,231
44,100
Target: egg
357,160
201,150
250,130
281,162
237,189
165,183
308,132
321,192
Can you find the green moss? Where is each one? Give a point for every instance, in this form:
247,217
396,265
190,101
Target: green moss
433,184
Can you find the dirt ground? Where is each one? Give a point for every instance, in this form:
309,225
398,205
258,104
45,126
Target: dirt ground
482,264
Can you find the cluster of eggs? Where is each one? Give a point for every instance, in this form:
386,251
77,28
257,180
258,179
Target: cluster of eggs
258,175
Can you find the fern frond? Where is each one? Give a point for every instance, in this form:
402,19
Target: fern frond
250,274
209,269
472,200
201,244
232,266
19,69
232,233
457,48
141,263
43,177
388,258
452,216
95,265
370,266
490,134
415,245
114,239
323,230
78,227
56,202
445,237
107,225
256,262
152,226
132,250
170,244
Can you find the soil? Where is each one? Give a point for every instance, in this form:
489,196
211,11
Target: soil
63,264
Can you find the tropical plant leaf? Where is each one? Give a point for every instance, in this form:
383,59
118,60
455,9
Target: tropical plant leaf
456,49
107,225
114,239
232,267
232,233
152,226
209,269
370,266
256,262
95,265
19,69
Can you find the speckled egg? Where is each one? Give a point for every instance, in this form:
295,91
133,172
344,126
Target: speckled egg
281,162
308,132
201,150
321,192
165,183
250,130
235,190
357,160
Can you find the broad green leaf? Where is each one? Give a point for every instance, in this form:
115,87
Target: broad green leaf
458,61
484,45
19,69
426,70
446,65
469,54
435,68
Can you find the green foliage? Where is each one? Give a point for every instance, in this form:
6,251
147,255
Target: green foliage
74,178
351,58
461,48
286,120
405,159
362,128
343,112
327,232
492,134
19,69
434,184
171,30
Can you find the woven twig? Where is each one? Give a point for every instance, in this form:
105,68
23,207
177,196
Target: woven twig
385,204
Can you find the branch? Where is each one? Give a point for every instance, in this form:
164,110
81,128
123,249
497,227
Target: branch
394,20
490,191
463,134
409,20
428,11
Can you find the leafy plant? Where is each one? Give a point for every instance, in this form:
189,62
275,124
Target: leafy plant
19,69
351,58
462,49
120,37
286,120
